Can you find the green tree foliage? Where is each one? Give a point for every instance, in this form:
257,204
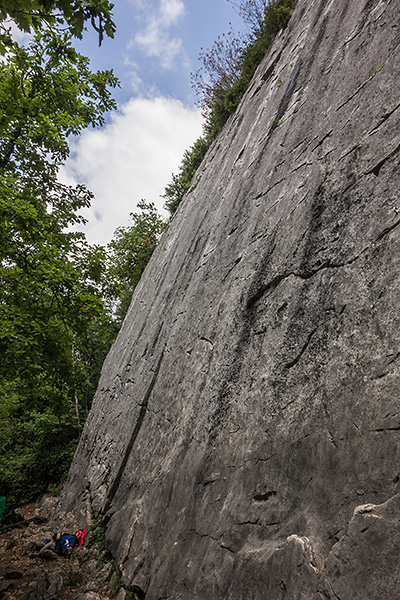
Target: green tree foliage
180,184
130,251
35,15
54,324
36,447
224,76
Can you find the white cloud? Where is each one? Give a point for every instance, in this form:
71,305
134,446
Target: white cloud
17,35
171,11
155,39
22,37
130,159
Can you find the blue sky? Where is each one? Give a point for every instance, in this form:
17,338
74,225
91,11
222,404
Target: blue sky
155,49
157,43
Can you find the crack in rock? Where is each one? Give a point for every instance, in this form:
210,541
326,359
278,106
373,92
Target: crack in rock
381,429
384,118
286,98
358,90
274,283
143,410
264,497
296,359
387,230
376,169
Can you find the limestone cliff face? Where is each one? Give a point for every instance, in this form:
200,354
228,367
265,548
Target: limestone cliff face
244,440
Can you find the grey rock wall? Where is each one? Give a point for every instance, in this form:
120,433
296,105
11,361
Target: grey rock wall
244,439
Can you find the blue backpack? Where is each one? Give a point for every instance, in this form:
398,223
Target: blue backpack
63,542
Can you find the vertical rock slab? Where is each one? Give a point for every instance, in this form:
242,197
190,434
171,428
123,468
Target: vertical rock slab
353,569
251,401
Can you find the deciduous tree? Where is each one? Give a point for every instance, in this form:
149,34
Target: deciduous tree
252,12
130,251
220,68
51,300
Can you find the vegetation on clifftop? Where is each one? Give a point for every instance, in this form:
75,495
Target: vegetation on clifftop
224,76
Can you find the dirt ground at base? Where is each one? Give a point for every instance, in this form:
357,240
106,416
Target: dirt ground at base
84,574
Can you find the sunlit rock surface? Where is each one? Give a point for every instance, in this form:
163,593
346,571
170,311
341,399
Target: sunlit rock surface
244,440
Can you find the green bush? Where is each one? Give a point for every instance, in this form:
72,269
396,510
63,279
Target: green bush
180,184
36,448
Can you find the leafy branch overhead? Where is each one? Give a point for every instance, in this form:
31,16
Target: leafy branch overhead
35,15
